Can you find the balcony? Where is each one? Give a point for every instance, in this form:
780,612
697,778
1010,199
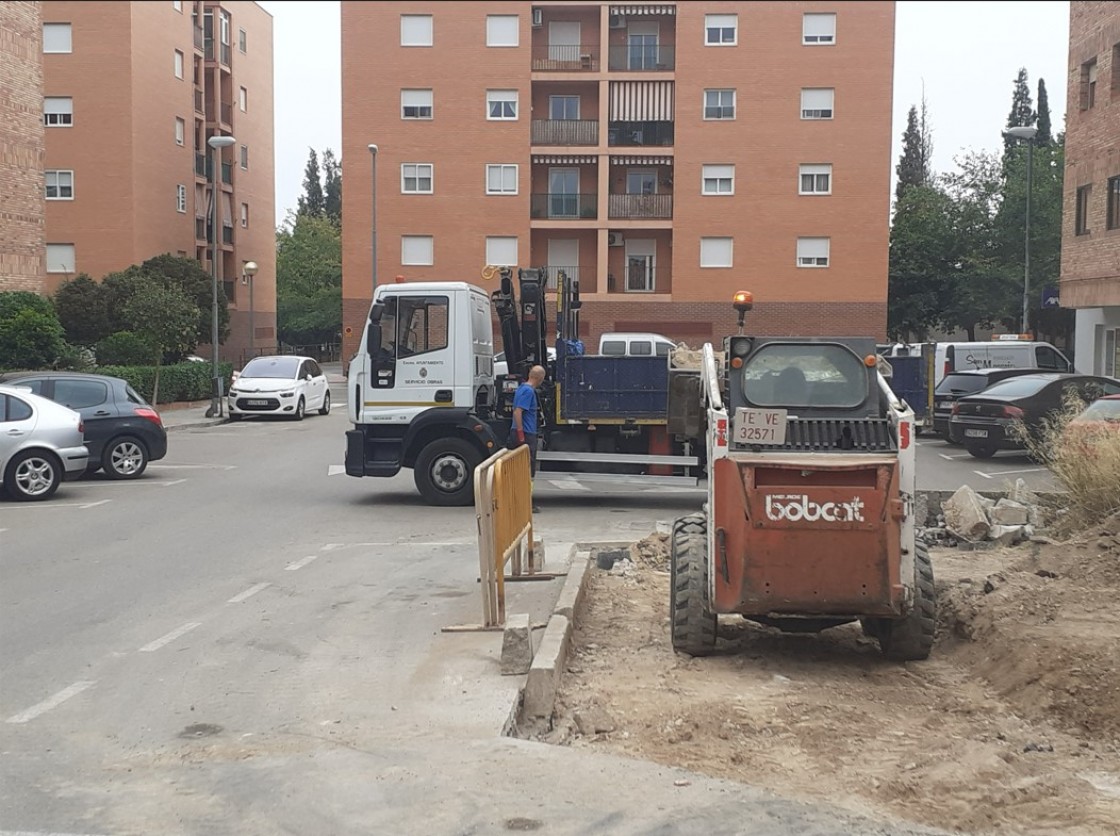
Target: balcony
585,274
208,47
201,229
227,233
199,102
641,58
226,54
227,173
639,133
561,206
565,132
640,206
199,39
201,166
227,113
565,58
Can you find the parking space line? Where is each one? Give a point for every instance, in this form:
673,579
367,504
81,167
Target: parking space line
299,564
161,466
949,458
28,506
50,702
336,469
996,473
170,637
103,483
248,593
40,833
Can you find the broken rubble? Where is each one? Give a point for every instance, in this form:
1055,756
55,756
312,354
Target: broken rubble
965,514
1008,512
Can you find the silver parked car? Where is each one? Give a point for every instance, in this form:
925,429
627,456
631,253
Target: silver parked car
41,443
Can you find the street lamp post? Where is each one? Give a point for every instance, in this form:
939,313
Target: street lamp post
1027,133
249,268
217,143
373,216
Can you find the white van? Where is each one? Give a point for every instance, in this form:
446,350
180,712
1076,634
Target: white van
999,354
635,345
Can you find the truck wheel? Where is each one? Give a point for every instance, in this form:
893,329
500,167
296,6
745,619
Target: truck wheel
911,638
444,472
693,622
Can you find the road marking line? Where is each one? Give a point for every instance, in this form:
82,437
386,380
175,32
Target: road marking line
50,702
174,482
568,485
299,564
95,504
330,547
336,469
949,458
170,637
248,593
122,483
40,833
1009,472
192,467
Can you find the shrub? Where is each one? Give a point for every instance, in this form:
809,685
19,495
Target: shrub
83,310
124,348
180,382
30,334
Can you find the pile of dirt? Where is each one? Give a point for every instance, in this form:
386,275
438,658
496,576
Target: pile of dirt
1013,724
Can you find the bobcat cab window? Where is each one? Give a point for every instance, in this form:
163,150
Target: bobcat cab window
421,325
815,375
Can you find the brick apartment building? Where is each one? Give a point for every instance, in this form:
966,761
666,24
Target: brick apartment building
668,154
132,92
21,147
1090,280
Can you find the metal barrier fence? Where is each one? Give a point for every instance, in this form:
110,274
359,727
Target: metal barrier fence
503,504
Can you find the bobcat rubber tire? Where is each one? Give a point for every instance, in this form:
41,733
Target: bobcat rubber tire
693,623
911,638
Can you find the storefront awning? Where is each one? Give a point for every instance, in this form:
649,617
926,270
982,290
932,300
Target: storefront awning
641,101
644,9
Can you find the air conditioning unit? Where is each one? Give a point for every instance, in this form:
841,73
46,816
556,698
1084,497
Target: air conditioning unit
618,22
614,239
538,18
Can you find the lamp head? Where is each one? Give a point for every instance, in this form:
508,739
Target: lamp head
220,141
250,268
1027,132
372,148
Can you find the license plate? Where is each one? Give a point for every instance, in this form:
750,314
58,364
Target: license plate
945,405
259,402
760,426
975,433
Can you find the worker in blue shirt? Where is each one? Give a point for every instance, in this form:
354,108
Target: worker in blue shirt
525,408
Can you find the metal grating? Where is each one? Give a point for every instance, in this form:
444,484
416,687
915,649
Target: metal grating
865,435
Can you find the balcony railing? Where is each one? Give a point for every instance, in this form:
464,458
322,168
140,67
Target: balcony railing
640,206
201,229
565,58
202,166
564,206
226,54
227,173
585,274
565,132
208,47
199,102
227,113
640,133
642,58
198,38
227,234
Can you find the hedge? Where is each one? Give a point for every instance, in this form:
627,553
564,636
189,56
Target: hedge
179,382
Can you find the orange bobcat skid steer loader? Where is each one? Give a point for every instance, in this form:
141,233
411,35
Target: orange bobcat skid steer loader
809,522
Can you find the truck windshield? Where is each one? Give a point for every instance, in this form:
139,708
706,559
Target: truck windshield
806,375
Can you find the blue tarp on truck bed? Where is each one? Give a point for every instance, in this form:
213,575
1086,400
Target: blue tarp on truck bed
613,388
911,382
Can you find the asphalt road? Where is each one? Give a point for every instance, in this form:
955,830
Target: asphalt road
241,642
945,467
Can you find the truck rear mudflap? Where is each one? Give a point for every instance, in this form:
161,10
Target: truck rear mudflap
807,535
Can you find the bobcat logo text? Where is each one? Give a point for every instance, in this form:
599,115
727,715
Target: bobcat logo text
798,508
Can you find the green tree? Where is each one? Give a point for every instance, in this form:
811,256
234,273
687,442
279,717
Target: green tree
195,282
82,308
166,319
308,280
31,336
923,259
1044,136
912,168
1022,110
119,287
311,202
332,189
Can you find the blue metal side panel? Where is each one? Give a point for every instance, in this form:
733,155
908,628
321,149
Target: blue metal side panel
910,383
613,387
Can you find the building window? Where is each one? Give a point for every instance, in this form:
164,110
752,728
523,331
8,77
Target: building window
501,250
721,30
417,250
416,104
416,178
812,252
1081,219
177,5
501,104
816,102
1088,84
242,40
716,252
243,99
502,30
57,37
718,179
59,185
564,108
815,179
178,64
245,157
223,30
501,179
1115,71
244,215
58,111
1113,219
60,258
416,30
719,104
180,131
818,29
180,198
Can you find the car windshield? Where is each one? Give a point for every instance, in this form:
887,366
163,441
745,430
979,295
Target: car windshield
817,374
1016,387
1103,410
281,367
961,384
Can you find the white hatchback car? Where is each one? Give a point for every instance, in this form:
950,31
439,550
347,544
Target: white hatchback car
286,385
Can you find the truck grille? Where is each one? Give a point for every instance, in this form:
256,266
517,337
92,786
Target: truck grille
841,435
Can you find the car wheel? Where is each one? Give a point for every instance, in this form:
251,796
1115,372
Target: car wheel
983,450
33,475
325,409
124,458
300,407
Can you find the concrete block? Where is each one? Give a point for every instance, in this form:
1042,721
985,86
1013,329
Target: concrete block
965,515
544,674
571,593
517,645
1022,494
1007,535
1008,512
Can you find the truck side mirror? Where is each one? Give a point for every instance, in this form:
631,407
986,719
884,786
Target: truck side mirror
373,331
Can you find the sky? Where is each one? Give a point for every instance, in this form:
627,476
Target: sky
963,55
